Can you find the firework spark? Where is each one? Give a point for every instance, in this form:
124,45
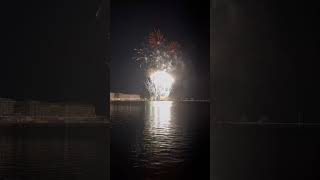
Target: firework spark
156,39
159,58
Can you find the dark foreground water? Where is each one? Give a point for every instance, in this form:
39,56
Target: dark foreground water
160,140
265,152
60,152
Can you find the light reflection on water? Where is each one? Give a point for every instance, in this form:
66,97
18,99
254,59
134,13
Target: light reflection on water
159,116
160,133
163,142
159,140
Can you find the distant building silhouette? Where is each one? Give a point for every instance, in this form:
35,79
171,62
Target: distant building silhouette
46,109
124,97
6,106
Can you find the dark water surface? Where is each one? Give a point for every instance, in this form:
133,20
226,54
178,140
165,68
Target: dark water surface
160,140
277,152
42,152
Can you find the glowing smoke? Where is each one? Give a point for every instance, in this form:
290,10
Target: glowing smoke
160,59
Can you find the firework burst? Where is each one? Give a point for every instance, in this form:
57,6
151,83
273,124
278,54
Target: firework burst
159,58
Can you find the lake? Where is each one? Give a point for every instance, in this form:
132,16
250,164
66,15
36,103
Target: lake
264,152
54,152
160,140
149,140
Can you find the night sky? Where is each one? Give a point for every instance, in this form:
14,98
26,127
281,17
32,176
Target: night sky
264,52
264,55
53,50
187,22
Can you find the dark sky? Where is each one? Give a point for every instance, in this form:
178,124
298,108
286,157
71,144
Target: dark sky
263,55
53,50
187,22
264,51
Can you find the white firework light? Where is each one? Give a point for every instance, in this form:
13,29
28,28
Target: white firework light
160,84
160,59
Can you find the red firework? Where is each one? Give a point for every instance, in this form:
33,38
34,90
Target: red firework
173,47
156,39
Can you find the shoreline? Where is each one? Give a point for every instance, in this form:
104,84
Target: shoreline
208,101
15,120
